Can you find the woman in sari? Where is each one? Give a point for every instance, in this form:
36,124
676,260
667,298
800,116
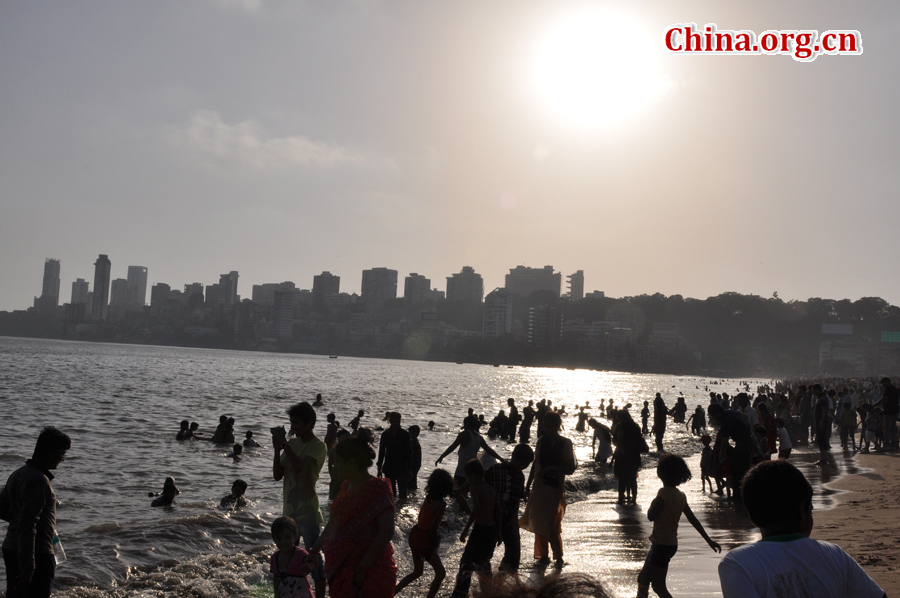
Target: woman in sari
630,444
554,460
359,558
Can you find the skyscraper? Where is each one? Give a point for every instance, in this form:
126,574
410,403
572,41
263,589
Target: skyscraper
524,281
118,292
102,269
576,285
378,285
466,285
136,293
497,319
228,284
80,292
49,300
325,285
416,289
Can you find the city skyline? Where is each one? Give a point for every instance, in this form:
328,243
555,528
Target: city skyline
281,140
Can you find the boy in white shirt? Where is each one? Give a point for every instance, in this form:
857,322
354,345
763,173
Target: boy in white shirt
786,563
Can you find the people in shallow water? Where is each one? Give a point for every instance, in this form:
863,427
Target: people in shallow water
249,442
235,500
167,496
194,434
185,432
431,425
221,430
236,452
319,401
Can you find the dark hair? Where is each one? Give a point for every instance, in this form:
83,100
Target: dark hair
237,448
672,470
439,485
566,585
184,424
249,434
414,428
774,493
553,421
394,417
50,441
240,484
302,411
885,380
285,524
706,439
474,467
716,410
523,452
357,449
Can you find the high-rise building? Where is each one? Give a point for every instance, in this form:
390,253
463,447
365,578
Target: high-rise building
193,294
497,318
102,269
545,326
136,294
378,285
159,295
325,285
466,285
283,312
416,289
524,281
264,294
576,285
49,300
228,287
118,292
80,290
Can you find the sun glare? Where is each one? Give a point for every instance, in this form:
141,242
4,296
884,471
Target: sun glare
597,68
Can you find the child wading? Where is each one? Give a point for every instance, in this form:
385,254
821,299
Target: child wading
664,512
424,537
486,513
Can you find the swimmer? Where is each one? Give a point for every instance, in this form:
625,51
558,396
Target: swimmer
318,402
354,423
219,434
431,425
229,431
185,432
249,442
194,435
236,499
167,496
235,453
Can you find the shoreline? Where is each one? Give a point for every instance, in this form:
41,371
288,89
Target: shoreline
861,520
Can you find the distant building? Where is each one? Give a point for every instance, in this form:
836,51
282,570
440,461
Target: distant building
498,316
325,285
100,304
264,294
378,285
595,295
435,295
49,299
228,288
159,295
416,289
466,285
285,303
136,294
524,281
576,285
545,327
118,293
80,292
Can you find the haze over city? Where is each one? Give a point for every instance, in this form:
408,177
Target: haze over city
283,139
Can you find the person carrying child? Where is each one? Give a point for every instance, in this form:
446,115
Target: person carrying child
787,562
424,537
664,512
287,564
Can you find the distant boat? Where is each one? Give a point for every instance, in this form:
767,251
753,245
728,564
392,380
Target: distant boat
496,365
459,363
332,357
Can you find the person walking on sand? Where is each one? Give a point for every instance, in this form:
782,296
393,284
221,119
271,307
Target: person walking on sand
546,506
28,503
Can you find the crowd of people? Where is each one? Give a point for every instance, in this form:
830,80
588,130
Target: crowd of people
353,555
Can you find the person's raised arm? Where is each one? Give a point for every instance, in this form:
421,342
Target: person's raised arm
699,527
491,451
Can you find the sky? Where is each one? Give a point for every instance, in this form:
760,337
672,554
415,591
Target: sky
283,138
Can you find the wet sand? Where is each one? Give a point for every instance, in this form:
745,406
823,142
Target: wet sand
611,541
865,520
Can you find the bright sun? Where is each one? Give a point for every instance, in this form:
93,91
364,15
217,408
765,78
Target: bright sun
597,68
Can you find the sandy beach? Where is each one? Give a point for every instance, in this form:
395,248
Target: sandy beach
864,522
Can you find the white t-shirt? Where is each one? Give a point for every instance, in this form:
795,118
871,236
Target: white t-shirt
802,568
784,439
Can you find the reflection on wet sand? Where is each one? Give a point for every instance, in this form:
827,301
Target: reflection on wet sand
611,541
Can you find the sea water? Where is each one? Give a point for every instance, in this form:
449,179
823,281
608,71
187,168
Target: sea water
122,404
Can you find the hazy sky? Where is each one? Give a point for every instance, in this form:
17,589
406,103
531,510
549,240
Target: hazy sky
281,138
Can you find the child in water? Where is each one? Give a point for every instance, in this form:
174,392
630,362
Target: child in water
236,499
167,497
645,415
249,442
287,564
236,452
705,461
664,512
416,458
424,537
